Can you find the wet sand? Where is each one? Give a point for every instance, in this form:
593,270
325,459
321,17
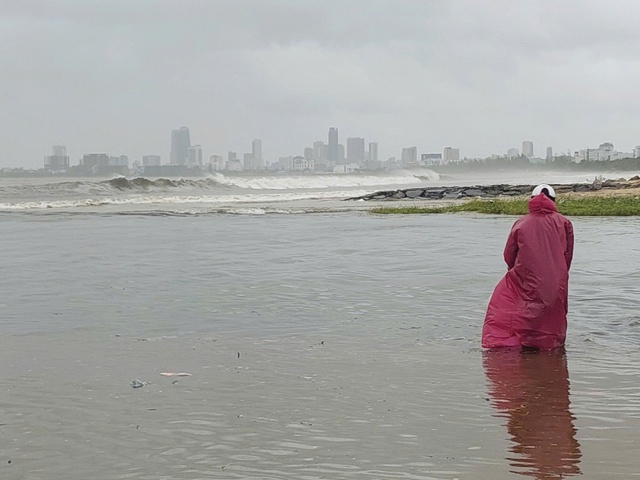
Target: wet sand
312,407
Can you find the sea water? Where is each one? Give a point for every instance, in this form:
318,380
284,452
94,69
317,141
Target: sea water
365,325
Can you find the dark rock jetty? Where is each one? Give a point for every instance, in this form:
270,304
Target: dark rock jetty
492,191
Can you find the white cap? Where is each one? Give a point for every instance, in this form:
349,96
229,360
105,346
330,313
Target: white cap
538,190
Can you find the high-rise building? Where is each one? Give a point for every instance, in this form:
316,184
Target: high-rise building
410,157
93,161
194,156
59,150
373,152
256,152
527,149
59,160
151,161
285,163
308,153
120,161
549,153
513,153
217,163
334,148
355,150
431,159
100,164
234,165
247,163
180,143
319,149
450,154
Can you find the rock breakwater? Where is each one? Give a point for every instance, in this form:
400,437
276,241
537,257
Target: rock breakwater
493,191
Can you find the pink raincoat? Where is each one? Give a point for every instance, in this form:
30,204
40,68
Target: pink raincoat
529,305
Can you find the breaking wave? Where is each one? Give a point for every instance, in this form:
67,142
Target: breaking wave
278,182
219,181
171,201
121,193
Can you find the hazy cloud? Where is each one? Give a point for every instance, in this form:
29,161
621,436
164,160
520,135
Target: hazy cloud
117,76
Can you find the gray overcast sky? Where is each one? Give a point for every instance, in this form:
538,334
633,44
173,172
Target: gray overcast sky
117,76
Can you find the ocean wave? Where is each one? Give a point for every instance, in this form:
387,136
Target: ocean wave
170,201
34,188
52,189
143,183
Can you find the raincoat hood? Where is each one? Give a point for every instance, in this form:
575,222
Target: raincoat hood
542,204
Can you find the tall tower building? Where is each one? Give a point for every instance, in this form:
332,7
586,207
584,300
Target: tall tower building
59,160
549,153
373,151
355,150
180,143
527,149
256,152
334,149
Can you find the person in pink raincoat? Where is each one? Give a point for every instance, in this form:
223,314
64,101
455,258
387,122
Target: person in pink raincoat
529,305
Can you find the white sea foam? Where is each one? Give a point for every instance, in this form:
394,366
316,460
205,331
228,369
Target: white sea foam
326,181
247,211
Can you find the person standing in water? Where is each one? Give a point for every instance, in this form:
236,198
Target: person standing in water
529,305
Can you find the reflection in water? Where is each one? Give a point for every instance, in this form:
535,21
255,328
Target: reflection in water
531,390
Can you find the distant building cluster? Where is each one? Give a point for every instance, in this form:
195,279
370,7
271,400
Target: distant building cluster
332,157
90,164
604,152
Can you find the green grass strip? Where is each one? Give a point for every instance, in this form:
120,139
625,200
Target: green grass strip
586,206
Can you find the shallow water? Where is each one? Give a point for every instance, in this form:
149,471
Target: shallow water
324,345
342,345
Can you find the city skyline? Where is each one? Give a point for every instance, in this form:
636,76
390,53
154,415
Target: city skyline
314,158
352,151
478,76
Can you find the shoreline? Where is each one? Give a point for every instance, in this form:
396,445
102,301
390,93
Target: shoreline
617,187
600,198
